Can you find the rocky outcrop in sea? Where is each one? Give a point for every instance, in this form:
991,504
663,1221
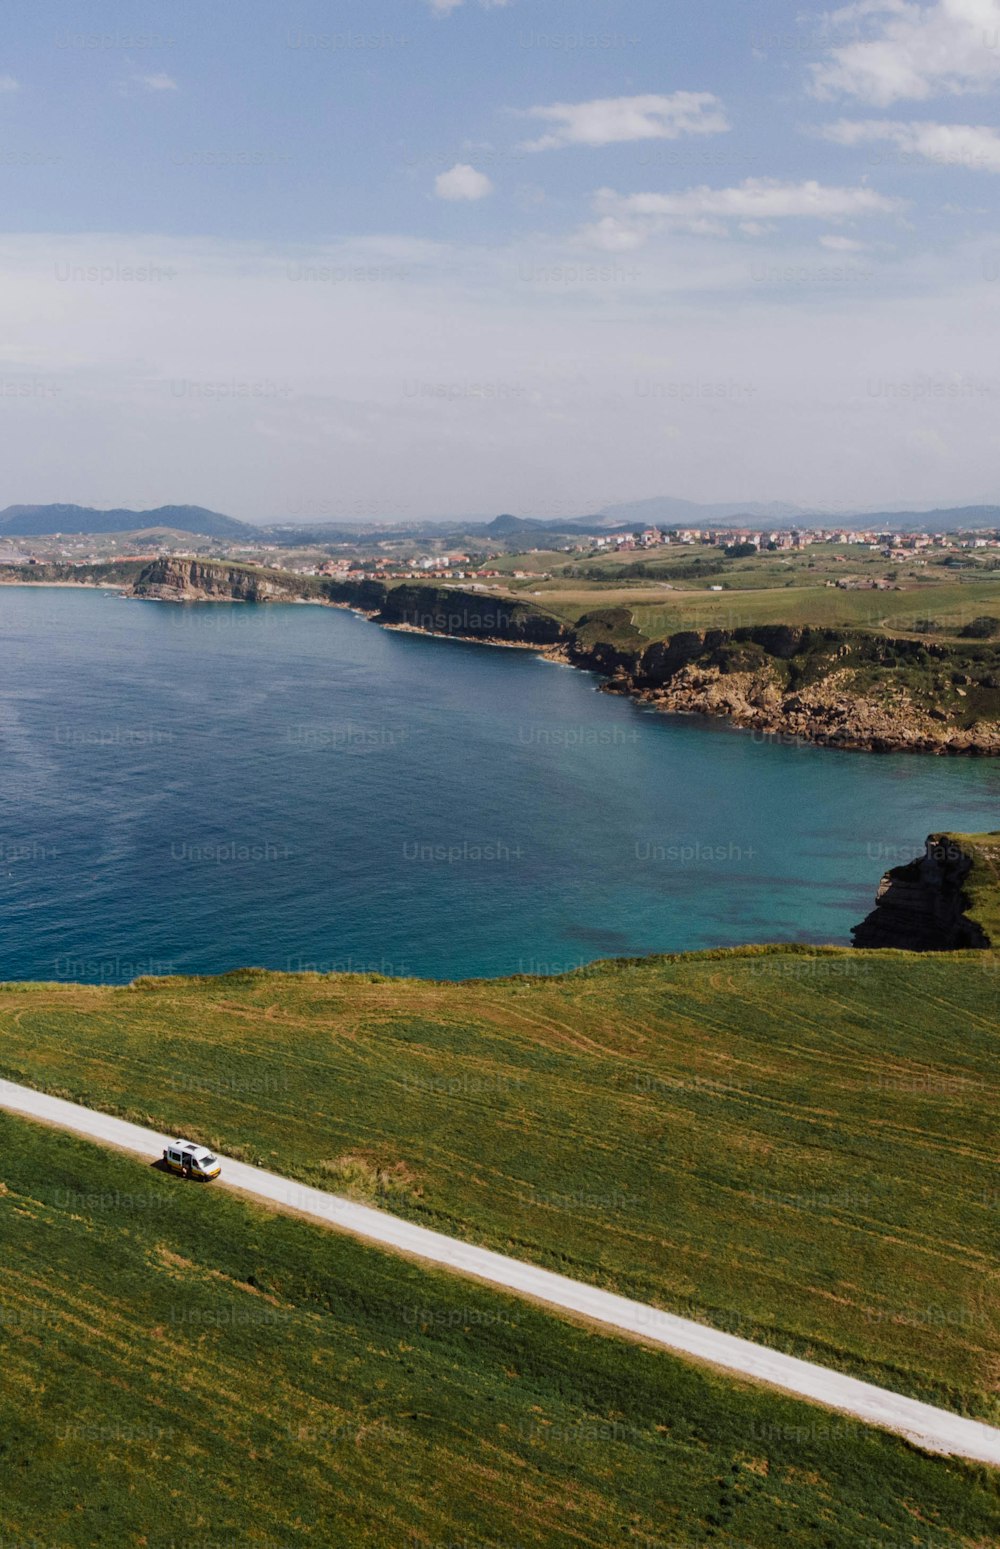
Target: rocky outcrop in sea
920,907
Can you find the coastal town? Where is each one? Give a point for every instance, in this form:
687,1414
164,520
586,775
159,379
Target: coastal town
385,554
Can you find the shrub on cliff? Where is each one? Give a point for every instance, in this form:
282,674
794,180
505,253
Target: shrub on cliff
982,628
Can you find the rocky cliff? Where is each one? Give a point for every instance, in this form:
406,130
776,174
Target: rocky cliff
433,610
838,688
446,610
922,906
195,580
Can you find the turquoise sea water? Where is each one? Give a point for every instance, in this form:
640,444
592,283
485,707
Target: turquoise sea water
191,789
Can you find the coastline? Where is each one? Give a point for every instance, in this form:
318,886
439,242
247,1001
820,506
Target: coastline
80,586
678,676
437,634
767,721
767,725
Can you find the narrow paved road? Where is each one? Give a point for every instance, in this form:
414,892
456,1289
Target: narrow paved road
934,1429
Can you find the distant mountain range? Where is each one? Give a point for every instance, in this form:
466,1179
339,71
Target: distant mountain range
666,511
661,511
510,526
35,521
932,521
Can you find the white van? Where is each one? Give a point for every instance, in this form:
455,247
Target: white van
183,1156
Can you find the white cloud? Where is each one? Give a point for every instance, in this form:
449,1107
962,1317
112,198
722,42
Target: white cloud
755,201
912,50
613,120
8,83
611,235
842,244
158,82
862,8
949,145
445,7
702,226
462,182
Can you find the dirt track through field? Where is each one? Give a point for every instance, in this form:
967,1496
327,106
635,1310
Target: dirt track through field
936,1430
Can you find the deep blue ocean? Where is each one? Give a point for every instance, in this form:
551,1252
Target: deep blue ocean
197,788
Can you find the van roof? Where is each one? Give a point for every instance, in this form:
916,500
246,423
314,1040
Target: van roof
190,1145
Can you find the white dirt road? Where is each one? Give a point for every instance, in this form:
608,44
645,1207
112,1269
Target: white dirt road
935,1430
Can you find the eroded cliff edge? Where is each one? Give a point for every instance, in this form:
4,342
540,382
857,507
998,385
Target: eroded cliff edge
840,688
946,900
212,580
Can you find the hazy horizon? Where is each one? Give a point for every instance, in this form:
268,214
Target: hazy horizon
761,510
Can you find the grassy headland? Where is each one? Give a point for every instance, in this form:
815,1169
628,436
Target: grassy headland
947,899
112,572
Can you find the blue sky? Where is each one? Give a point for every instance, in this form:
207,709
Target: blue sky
440,256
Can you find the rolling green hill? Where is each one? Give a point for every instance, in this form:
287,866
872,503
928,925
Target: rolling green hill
800,1146
28,521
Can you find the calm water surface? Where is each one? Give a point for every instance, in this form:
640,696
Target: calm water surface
191,789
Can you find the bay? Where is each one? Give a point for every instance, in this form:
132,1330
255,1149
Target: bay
198,788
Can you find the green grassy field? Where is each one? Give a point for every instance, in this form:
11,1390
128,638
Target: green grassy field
671,590
658,612
181,1367
798,1146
